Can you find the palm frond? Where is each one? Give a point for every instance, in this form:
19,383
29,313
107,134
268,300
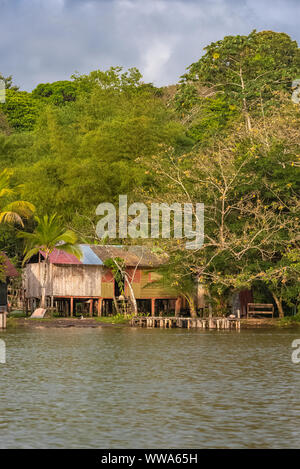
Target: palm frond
10,217
71,249
24,209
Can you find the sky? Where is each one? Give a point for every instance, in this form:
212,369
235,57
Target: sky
43,41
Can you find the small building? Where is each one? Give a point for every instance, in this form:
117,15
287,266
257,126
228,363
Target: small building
83,285
9,272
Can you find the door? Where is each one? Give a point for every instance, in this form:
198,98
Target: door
3,294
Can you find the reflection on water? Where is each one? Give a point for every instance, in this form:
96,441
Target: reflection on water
138,388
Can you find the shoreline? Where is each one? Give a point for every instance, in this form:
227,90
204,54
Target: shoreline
32,323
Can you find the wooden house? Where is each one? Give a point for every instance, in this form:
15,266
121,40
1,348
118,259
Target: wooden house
9,272
75,285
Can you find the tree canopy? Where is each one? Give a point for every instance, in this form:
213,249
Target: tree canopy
226,135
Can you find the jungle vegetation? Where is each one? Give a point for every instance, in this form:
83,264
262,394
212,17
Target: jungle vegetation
227,134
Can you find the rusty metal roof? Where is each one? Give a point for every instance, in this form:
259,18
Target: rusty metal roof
132,255
60,257
98,254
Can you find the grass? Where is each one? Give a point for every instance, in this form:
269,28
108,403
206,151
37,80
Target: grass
117,319
290,320
17,314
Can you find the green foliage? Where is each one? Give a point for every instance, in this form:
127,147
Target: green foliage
21,110
112,79
118,318
4,125
95,147
116,265
74,144
58,93
12,211
248,70
213,116
49,234
290,320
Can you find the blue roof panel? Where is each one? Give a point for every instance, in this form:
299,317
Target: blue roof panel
89,257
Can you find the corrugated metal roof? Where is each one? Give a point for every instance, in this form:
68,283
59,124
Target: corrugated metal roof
98,254
60,257
132,255
89,257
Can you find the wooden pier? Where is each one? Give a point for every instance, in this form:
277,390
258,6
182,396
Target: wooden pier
217,323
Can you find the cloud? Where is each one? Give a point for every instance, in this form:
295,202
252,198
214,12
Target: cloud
47,40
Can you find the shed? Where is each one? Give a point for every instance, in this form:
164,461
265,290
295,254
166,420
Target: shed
89,281
9,271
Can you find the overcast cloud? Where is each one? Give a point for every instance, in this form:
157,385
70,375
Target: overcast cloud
48,40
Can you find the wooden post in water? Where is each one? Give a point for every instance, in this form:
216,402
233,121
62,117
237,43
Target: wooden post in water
3,319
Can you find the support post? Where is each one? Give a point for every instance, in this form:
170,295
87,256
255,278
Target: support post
99,310
152,306
71,306
91,307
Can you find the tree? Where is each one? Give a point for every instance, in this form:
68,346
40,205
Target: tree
178,278
250,187
246,69
49,234
118,268
12,211
21,110
95,145
9,82
58,93
4,125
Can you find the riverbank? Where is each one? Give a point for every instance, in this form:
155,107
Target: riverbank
32,323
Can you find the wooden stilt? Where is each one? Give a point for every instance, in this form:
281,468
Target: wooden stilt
99,310
71,306
152,306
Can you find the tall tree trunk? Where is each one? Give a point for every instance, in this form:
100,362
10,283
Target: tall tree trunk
44,283
116,304
278,302
132,296
191,303
245,107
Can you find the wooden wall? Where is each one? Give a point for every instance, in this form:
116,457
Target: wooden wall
143,289
64,280
88,281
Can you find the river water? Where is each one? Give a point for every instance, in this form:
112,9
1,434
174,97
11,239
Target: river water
119,387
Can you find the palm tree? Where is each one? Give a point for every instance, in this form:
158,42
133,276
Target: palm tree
12,212
49,234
